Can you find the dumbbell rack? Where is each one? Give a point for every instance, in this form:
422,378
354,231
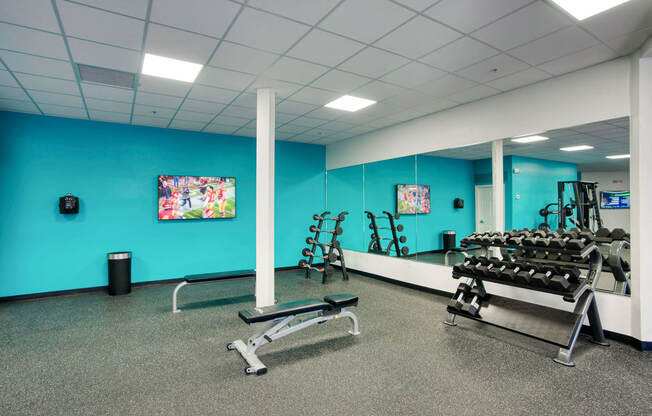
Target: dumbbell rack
375,246
551,325
334,249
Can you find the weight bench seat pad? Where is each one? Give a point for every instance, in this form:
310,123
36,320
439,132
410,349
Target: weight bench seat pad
342,301
267,313
207,277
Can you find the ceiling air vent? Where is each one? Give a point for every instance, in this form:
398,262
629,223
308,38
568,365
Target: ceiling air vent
106,76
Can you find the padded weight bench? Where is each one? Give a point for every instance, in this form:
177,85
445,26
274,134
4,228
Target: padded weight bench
278,318
208,277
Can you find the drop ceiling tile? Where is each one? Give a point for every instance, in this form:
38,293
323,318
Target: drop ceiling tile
134,8
373,63
108,105
265,31
109,116
326,113
12,93
587,57
519,79
446,85
153,111
283,89
208,17
33,82
377,91
418,37
435,105
18,106
620,20
282,118
242,58
292,129
418,5
525,25
283,136
150,121
413,74
187,125
167,101
293,70
31,64
247,99
61,111
308,122
337,126
177,44
340,81
236,122
366,20
294,107
21,39
32,13
492,68
219,129
459,54
190,105
107,93
104,56
628,43
304,11
43,97
224,78
469,15
92,24
247,131
563,42
407,99
7,80
147,83
194,116
239,111
473,94
218,95
317,42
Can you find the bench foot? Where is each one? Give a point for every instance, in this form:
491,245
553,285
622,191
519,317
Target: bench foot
255,365
175,309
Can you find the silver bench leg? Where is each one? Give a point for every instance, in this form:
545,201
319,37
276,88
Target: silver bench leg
174,296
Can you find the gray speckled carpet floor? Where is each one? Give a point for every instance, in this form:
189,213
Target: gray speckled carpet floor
93,354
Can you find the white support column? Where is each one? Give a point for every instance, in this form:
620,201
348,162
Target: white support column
498,185
265,140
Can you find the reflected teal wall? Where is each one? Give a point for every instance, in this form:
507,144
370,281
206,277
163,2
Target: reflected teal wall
448,179
482,176
344,193
113,169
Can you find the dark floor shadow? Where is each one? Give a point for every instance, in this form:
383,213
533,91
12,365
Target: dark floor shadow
217,302
307,351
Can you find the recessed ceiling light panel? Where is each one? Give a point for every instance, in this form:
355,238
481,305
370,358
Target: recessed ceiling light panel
350,103
160,66
582,9
576,148
618,157
530,139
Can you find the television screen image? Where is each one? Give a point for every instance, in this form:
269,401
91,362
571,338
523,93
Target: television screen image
413,199
614,199
195,197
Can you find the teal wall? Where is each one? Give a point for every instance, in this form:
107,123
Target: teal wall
113,169
448,179
536,185
482,176
344,193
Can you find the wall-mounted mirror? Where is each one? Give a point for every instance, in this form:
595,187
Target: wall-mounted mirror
344,193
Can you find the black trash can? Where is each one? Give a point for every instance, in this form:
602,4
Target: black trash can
119,273
449,240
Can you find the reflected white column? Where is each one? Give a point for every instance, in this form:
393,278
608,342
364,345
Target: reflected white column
498,185
265,124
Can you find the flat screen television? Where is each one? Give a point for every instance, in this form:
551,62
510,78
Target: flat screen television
614,199
195,197
413,199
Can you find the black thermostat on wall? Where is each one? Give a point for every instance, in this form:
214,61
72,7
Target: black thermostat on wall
69,204
458,203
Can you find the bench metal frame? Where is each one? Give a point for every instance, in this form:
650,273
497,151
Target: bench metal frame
175,308
280,327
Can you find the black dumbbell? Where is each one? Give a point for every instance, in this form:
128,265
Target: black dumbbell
603,232
525,274
328,270
473,307
310,240
404,250
464,266
553,255
498,267
565,278
619,234
458,299
583,239
330,257
399,227
542,277
337,230
509,273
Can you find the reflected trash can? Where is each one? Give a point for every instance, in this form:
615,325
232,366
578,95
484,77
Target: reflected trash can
449,240
119,273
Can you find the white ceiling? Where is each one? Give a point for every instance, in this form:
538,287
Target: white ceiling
610,137
414,57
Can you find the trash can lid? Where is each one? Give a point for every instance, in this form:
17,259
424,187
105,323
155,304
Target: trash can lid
119,255
450,232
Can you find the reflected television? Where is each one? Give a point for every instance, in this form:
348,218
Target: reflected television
614,199
195,197
412,199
